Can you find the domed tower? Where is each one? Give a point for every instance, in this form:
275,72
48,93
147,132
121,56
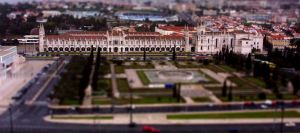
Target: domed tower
41,38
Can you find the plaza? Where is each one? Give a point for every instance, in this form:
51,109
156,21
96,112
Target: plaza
15,81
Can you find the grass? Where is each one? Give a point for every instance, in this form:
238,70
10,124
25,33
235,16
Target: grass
188,65
143,77
136,65
201,99
254,97
123,85
243,84
142,100
104,85
236,115
119,69
257,81
76,117
70,102
213,68
227,68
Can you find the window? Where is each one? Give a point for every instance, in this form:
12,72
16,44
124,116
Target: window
216,43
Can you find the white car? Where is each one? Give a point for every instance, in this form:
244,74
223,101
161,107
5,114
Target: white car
290,124
263,106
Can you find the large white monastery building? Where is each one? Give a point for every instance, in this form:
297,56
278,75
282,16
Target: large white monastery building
199,40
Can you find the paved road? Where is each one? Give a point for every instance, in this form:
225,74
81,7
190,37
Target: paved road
98,127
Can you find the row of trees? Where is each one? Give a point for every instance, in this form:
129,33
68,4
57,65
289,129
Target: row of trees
85,75
68,87
237,61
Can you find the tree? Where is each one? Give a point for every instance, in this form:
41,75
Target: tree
144,54
174,53
96,72
262,96
230,94
266,71
249,63
224,89
296,84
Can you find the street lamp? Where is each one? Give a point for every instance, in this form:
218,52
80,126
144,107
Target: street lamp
282,116
10,118
131,123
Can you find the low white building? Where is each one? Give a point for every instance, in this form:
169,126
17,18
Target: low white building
8,55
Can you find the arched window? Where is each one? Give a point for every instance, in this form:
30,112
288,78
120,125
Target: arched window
177,49
88,49
126,49
105,49
152,49
55,49
157,49
61,49
77,49
137,49
162,49
49,49
83,49
131,49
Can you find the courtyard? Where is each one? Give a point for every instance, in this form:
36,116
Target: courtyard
148,82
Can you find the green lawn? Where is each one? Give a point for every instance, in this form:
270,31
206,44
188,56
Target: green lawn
254,97
141,100
257,81
143,77
77,117
123,85
201,99
104,86
236,115
213,68
227,68
69,102
119,69
136,65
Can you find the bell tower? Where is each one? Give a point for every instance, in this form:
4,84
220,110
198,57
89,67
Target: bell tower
41,37
187,39
201,37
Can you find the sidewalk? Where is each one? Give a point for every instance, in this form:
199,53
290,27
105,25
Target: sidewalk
162,119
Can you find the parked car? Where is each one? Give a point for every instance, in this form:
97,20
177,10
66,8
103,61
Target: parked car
150,129
249,104
17,96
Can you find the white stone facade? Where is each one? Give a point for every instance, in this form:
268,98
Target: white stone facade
239,42
121,41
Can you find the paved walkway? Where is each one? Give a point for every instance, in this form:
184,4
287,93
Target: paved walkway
220,78
132,76
193,91
161,118
167,66
115,90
